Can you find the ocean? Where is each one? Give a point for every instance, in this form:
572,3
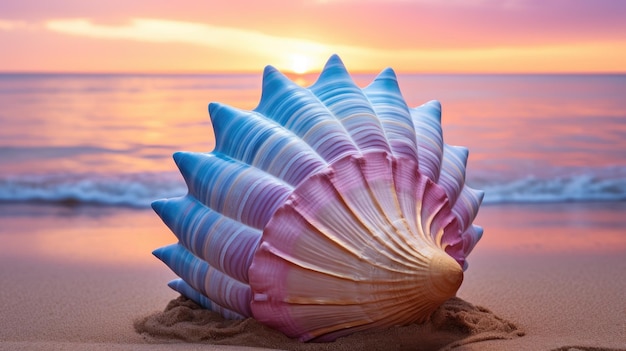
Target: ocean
107,139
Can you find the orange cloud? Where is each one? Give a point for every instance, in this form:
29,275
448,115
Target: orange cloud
280,50
303,55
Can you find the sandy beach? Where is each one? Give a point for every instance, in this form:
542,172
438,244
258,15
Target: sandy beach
78,278
297,118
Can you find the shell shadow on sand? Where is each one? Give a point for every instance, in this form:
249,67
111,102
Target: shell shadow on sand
454,324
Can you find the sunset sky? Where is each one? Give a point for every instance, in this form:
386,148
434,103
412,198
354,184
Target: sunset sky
299,35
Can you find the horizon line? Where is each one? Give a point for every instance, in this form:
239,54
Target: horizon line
315,72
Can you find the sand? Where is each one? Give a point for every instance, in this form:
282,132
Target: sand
68,284
453,324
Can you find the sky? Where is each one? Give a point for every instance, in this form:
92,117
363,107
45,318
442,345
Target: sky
424,36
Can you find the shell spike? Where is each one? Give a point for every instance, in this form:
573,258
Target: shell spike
452,174
463,151
387,78
348,104
269,71
480,194
434,109
393,112
334,61
387,73
160,252
334,58
179,157
273,81
158,206
167,211
213,107
470,238
334,68
185,161
427,121
467,205
298,110
227,126
220,115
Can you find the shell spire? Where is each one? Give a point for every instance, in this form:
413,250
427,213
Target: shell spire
324,211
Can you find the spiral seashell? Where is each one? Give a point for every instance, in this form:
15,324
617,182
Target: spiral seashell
324,211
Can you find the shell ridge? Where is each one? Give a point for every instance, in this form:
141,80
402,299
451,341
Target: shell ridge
399,235
466,243
187,217
391,297
242,253
402,289
465,211
253,138
347,102
436,201
380,230
405,173
436,222
217,181
446,228
452,175
429,137
217,286
352,320
467,208
393,214
294,166
342,243
385,97
420,190
299,110
441,221
296,304
244,206
322,225
327,271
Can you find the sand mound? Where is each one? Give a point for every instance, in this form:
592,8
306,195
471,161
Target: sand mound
455,323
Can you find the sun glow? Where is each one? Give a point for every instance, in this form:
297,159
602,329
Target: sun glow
300,64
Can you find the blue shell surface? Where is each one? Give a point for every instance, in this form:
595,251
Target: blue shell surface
323,211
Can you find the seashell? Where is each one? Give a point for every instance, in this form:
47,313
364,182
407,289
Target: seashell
324,211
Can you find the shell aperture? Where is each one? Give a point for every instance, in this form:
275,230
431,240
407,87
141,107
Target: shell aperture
324,211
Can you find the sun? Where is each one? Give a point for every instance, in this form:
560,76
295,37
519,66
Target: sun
299,64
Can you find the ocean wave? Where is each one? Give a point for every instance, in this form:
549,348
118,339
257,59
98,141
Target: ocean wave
575,188
139,190
129,190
